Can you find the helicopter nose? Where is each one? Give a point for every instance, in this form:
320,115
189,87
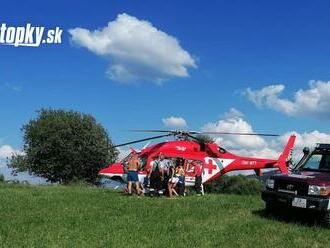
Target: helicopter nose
112,170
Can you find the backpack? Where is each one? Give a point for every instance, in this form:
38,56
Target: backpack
156,170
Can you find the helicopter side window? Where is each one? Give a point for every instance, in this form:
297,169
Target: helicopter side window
143,162
222,150
168,162
165,163
190,166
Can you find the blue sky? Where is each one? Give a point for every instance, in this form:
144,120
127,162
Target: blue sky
235,44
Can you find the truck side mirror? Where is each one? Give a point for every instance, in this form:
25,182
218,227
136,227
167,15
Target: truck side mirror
306,150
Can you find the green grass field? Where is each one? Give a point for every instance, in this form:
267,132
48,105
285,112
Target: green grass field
58,216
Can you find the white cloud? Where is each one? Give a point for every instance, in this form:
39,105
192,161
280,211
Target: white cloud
14,87
177,122
232,123
136,50
314,101
233,113
257,146
6,151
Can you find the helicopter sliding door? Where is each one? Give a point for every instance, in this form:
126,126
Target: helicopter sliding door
190,170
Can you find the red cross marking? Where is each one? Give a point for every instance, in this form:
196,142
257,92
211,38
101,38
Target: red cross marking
210,166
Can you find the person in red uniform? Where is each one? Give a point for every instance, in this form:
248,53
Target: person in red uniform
198,171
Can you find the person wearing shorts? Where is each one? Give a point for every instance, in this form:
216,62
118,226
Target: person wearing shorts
181,182
174,180
176,173
132,175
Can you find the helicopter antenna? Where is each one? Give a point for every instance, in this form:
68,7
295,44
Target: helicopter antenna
146,145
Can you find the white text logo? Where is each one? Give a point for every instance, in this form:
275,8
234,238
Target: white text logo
29,36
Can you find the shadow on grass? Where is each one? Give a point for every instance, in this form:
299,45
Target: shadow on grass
299,217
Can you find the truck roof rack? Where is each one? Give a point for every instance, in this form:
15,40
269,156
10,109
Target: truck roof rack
322,146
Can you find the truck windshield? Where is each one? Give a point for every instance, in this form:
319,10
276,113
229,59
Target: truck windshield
318,162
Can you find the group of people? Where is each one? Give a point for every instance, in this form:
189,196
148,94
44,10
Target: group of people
166,176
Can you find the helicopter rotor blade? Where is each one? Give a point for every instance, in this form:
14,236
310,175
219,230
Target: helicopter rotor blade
141,140
164,131
238,133
186,132
151,131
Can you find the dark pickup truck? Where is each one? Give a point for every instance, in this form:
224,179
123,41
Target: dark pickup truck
306,187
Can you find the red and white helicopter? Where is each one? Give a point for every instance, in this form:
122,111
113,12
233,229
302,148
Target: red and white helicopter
215,159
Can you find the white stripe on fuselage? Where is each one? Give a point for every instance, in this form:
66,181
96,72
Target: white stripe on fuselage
220,163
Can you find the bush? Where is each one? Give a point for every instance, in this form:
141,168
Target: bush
239,185
76,182
2,178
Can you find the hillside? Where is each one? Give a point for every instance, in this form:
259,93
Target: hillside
56,216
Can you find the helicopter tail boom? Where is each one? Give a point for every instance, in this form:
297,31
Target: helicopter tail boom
283,158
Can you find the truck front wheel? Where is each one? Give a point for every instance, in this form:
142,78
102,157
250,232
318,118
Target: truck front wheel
325,219
269,209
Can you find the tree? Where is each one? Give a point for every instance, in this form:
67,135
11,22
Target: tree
2,178
63,146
